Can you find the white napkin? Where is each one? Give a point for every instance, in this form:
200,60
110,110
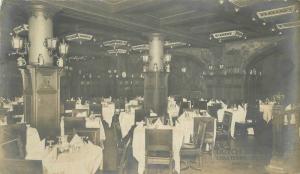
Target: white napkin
158,123
152,114
76,140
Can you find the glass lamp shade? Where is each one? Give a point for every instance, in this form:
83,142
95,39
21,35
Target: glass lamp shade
124,74
145,58
183,69
168,69
50,43
17,42
168,58
63,48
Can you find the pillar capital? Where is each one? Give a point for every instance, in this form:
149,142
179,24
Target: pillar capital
158,36
37,9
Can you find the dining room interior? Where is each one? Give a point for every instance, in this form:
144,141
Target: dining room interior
149,86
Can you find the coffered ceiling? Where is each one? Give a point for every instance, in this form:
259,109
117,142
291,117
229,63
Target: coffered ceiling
190,21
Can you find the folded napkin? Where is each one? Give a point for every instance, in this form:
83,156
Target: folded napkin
76,140
158,123
152,114
92,123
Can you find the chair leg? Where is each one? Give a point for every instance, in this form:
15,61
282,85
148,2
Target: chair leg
187,165
199,164
171,167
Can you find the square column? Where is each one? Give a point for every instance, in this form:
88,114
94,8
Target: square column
42,98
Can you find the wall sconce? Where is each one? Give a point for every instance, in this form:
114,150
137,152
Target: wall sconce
63,48
210,67
168,58
17,43
124,74
50,44
145,59
168,68
183,69
221,66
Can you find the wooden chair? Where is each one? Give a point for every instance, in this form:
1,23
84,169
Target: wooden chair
159,150
20,166
209,137
194,150
75,112
140,115
69,105
13,141
122,168
225,131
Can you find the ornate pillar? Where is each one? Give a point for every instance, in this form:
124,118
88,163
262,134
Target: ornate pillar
40,27
156,79
41,83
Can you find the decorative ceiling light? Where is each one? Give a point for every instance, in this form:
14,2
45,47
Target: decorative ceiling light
115,43
17,42
276,12
145,58
140,48
63,48
117,51
79,37
243,3
174,44
21,28
288,25
227,35
168,58
183,69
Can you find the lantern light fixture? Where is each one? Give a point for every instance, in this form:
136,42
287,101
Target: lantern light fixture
17,42
168,58
63,48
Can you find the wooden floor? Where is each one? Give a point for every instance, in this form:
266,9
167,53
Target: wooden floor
239,156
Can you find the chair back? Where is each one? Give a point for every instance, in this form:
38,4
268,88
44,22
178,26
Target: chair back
95,108
140,115
124,156
13,141
76,112
69,105
227,119
14,166
158,140
199,131
73,123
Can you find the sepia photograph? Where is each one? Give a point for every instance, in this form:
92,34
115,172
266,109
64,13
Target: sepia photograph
149,87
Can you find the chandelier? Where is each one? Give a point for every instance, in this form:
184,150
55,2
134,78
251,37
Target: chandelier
21,28
80,37
115,43
227,35
117,51
174,44
276,12
288,25
140,48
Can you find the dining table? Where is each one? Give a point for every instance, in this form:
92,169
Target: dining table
86,160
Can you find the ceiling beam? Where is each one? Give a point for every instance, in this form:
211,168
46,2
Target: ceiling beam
98,17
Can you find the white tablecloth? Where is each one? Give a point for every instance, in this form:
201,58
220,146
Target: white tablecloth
85,161
138,146
126,120
266,109
238,116
108,111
